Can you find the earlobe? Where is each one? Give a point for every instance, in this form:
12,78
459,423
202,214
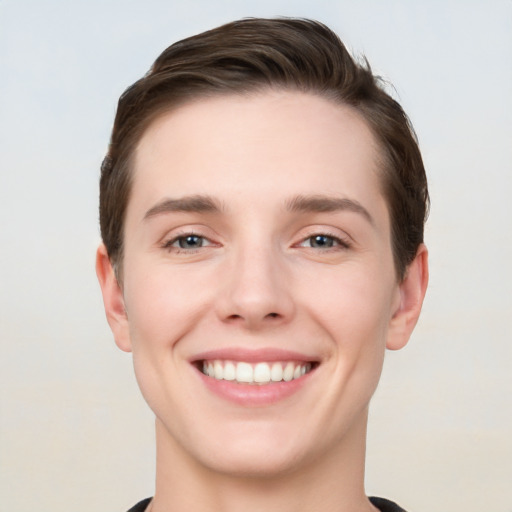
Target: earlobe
411,294
113,299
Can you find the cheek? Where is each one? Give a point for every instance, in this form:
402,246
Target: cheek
354,308
162,308
353,304
164,304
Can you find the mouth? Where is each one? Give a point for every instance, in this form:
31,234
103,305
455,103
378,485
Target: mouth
255,378
259,373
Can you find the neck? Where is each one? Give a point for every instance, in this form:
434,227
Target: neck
333,482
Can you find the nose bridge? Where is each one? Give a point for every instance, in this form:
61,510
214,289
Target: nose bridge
256,291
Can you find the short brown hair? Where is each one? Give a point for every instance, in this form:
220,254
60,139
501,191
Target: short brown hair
253,55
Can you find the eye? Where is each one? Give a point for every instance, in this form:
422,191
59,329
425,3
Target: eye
323,241
187,242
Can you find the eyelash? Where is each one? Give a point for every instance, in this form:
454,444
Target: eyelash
337,242
169,244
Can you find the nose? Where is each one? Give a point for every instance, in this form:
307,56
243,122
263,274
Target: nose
255,290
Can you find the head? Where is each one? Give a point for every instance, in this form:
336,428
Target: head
262,205
254,55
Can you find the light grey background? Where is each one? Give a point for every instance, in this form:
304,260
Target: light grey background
75,434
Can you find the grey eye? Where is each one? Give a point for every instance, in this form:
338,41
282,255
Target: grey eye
321,241
190,242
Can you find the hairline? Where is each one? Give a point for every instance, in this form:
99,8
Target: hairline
169,105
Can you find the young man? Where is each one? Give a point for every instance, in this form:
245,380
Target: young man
262,207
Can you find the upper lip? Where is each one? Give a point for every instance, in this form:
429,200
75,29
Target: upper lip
253,355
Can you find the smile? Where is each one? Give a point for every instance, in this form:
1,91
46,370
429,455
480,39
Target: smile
255,373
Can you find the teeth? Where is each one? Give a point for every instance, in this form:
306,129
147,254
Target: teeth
260,373
218,371
244,372
208,369
288,372
229,371
276,374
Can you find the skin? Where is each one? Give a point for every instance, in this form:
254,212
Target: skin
261,280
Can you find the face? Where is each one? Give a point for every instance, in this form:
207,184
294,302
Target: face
259,290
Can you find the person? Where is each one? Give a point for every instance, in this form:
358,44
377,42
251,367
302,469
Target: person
262,206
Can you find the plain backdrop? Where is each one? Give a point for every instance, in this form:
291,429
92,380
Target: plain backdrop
75,434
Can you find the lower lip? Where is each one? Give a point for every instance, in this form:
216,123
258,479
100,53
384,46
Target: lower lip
254,395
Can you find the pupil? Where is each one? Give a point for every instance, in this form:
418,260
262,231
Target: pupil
190,241
322,241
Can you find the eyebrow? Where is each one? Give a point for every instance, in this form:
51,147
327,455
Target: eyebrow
324,203
301,203
195,203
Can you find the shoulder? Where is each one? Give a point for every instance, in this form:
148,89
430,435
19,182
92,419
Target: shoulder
141,506
385,505
382,504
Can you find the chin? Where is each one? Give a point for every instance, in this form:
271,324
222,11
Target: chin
254,462
244,449
262,450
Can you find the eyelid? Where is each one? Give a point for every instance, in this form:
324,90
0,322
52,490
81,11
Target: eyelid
177,238
342,239
175,235
338,242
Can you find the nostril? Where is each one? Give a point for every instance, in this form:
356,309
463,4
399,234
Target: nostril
273,315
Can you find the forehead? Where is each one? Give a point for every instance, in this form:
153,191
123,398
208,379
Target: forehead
237,145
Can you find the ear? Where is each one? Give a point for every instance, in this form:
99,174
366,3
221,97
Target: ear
411,294
113,299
